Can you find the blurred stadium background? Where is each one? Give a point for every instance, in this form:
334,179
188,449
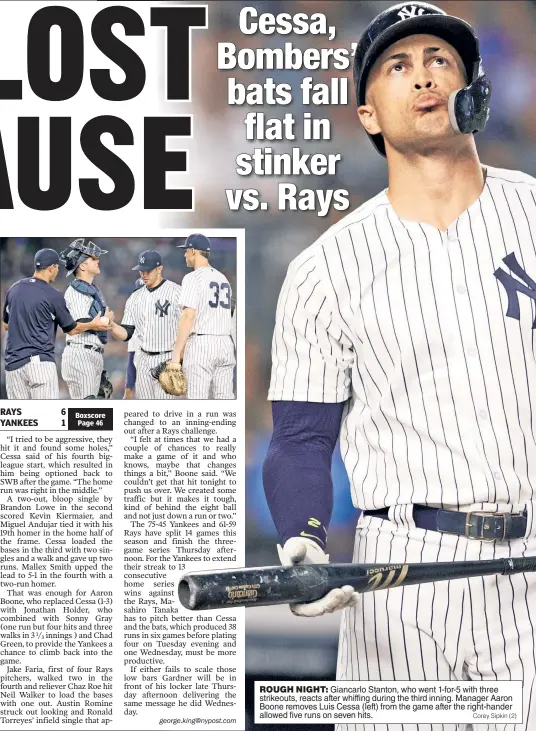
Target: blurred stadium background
280,645
116,281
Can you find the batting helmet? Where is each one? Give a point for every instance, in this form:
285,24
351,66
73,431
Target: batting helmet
468,107
78,251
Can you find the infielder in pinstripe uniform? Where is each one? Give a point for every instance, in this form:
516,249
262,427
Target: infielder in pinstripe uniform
32,312
152,312
82,360
204,338
408,331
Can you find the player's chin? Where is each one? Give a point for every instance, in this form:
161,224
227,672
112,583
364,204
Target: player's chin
433,130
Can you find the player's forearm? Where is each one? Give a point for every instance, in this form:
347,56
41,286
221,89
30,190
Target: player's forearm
81,327
86,323
121,332
186,324
5,325
297,468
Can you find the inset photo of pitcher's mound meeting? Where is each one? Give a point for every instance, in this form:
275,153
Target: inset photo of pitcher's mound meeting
120,318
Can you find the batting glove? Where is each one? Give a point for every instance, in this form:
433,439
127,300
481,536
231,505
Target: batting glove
306,551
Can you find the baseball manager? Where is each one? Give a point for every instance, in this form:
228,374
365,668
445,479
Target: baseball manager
407,331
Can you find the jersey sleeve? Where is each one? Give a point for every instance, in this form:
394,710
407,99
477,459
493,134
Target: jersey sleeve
128,315
78,304
311,357
62,314
190,292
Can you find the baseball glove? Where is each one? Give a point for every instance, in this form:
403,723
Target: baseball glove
105,389
170,377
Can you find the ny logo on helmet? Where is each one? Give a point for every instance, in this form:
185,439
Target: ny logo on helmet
142,260
162,309
409,12
513,286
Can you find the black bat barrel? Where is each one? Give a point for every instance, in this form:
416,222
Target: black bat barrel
306,583
261,586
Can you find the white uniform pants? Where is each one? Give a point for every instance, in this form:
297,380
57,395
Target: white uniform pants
209,360
481,628
81,370
38,379
148,387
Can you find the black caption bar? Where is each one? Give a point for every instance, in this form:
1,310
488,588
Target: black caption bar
90,419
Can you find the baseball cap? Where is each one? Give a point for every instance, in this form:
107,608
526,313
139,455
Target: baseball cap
196,241
147,261
407,19
45,258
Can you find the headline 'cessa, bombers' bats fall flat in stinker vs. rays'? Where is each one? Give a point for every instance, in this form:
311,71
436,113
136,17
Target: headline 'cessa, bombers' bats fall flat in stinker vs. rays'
261,586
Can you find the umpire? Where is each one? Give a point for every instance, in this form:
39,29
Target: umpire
33,309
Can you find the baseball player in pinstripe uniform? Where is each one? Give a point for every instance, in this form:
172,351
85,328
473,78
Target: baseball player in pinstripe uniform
82,360
152,313
204,338
32,312
133,347
407,330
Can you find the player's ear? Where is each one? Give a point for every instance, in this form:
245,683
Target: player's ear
367,116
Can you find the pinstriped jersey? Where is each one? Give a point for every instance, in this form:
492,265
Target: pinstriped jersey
430,336
79,305
209,293
155,315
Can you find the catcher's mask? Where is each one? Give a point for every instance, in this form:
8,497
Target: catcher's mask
78,251
469,107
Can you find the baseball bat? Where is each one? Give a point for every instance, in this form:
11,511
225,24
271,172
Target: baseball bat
266,585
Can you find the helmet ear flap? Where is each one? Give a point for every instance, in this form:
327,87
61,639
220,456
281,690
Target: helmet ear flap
469,107
70,258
